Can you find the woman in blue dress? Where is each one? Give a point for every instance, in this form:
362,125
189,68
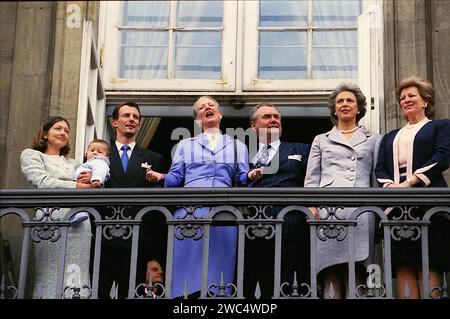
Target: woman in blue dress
206,160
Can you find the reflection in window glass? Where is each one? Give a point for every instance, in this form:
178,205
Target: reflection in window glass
200,14
282,55
325,28
144,54
335,54
336,13
198,55
146,13
283,13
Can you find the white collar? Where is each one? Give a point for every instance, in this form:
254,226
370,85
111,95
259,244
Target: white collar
131,145
274,145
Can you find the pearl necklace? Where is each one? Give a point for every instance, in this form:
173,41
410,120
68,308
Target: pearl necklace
349,131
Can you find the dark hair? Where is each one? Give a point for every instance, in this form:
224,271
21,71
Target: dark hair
353,88
115,114
426,92
40,143
256,107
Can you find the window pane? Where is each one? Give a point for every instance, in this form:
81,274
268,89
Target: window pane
283,13
199,13
146,13
144,55
282,55
335,54
336,13
198,55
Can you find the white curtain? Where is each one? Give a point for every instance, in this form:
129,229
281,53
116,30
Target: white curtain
196,53
283,53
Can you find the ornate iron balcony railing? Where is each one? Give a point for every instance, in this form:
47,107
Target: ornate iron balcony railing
243,208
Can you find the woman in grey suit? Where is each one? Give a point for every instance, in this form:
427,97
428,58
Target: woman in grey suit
46,165
343,157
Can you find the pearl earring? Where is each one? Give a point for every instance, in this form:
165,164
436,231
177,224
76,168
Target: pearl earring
359,112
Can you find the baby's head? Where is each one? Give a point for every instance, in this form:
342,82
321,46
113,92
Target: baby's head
97,147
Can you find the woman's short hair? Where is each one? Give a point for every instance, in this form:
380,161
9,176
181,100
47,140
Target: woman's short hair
425,89
350,87
194,108
40,143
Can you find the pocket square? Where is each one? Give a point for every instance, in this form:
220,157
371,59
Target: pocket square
295,157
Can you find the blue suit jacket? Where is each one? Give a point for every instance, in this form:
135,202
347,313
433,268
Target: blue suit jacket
291,172
431,145
195,165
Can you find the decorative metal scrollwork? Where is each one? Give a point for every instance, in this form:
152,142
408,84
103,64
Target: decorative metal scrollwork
51,233
295,289
46,232
336,232
331,231
260,230
221,287
46,214
149,292
117,231
189,230
118,213
4,294
76,292
260,212
443,291
405,213
370,292
331,212
405,232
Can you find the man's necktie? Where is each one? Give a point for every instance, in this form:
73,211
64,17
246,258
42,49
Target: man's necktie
263,158
124,158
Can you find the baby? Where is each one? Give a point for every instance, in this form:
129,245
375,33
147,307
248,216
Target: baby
97,162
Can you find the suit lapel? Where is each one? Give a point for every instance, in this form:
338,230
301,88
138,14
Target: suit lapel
360,136
282,154
115,163
335,136
202,140
222,142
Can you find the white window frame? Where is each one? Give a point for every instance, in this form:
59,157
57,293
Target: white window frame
370,63
110,12
91,117
251,82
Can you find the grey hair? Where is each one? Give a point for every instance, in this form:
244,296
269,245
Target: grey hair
194,108
350,87
256,107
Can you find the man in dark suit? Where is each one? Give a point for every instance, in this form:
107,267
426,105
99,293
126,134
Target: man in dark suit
126,170
276,164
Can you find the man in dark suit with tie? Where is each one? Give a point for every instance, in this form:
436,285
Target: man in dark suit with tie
276,164
126,170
